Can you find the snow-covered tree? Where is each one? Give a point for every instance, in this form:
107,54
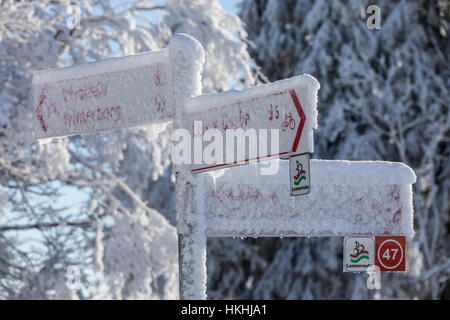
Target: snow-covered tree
124,223
384,96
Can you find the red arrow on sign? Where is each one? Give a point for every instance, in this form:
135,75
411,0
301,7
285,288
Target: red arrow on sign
298,106
40,109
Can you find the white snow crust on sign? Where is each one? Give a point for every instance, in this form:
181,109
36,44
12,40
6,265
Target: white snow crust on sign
361,197
106,95
188,57
289,106
217,100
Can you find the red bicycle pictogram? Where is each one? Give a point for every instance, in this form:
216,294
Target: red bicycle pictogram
289,122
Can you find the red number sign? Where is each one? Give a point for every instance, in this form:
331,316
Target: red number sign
390,253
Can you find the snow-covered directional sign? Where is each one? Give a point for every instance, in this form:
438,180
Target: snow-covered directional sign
285,110
106,95
370,198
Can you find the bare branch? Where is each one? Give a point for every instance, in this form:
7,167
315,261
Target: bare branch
78,223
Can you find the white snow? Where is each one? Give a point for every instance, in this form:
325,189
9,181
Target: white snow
308,84
193,244
366,197
187,58
328,172
100,67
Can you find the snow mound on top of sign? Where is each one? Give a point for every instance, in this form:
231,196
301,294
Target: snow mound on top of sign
326,172
98,67
190,47
187,57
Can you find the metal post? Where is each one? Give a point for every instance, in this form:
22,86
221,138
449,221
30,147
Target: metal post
191,239
187,58
192,268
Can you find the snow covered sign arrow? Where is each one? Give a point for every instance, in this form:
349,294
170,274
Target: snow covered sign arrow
106,95
280,115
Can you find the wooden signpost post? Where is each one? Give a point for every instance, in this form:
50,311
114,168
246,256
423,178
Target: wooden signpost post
346,198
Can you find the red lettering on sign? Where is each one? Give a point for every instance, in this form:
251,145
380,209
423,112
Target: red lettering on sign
160,104
85,92
89,116
244,118
39,108
396,216
273,112
251,194
158,79
232,121
227,122
52,108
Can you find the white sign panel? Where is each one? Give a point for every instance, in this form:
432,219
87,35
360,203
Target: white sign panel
111,94
349,197
281,116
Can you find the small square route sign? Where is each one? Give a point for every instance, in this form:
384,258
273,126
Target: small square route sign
299,174
359,253
390,253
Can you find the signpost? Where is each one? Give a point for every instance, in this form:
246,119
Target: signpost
338,198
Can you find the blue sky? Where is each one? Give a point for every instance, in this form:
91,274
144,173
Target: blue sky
230,5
